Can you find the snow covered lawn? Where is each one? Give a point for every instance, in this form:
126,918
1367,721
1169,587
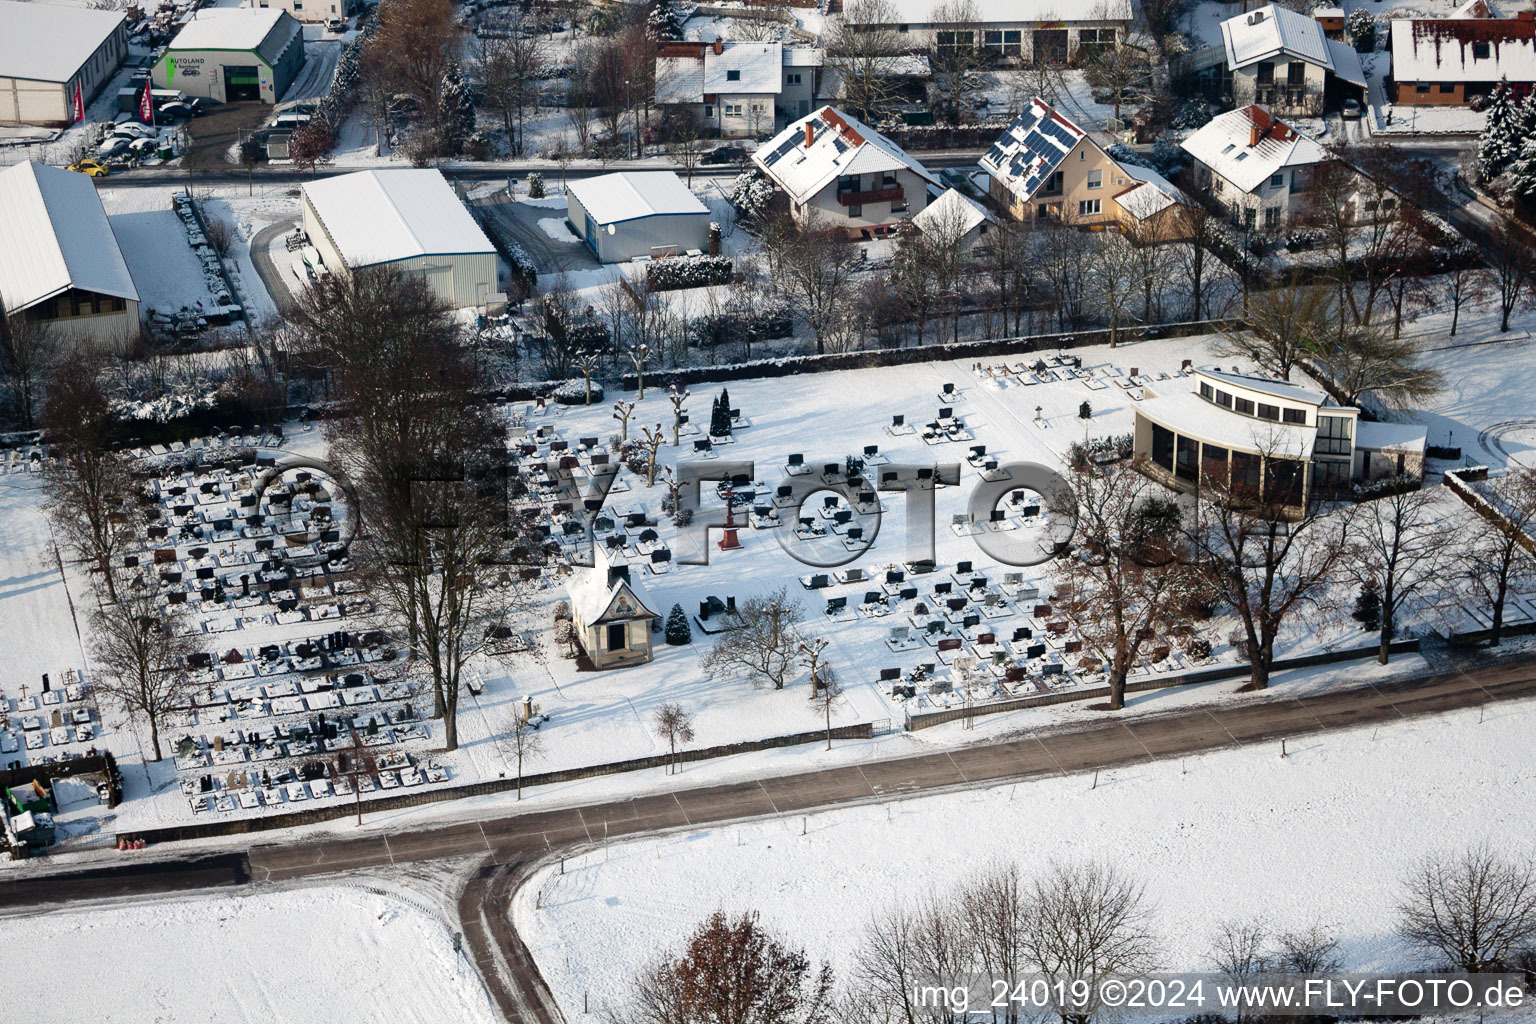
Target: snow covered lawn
555,227
1321,835
293,956
166,272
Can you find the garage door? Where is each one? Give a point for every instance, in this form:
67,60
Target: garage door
241,83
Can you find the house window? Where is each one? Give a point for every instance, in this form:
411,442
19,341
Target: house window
1266,73
1205,391
1422,88
709,110
888,179
793,78
1277,179
1245,406
618,638
1271,217
1295,416
118,305
1333,435
1095,179
848,183
855,211
1012,42
1479,51
1216,185
733,76
1223,399
733,110
1052,185
1269,412
1296,74
1088,207
1248,217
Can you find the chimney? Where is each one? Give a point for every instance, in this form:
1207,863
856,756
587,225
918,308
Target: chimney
810,135
1255,133
1527,15
719,46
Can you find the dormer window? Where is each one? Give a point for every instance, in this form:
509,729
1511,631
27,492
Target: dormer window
733,76
1480,51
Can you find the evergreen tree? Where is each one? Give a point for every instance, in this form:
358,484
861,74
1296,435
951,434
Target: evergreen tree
678,630
1368,608
720,415
1522,167
535,185
456,110
1499,144
665,22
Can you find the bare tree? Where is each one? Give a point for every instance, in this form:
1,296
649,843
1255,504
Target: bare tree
1239,953
623,411
356,763
1367,359
418,41
1086,922
521,742
1118,278
825,691
861,49
1514,264
1285,324
957,58
1262,552
140,649
1309,950
732,971
651,439
89,492
1196,260
1121,70
1466,282
510,71
681,129
1475,910
1497,561
29,351
1398,548
762,644
1128,577
813,269
995,906
679,409
675,726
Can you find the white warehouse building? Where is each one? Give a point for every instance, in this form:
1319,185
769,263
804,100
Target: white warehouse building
54,57
637,213
411,219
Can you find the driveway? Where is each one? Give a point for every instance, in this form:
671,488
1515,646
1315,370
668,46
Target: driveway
518,224
212,134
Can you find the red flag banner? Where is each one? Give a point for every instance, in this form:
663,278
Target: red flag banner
146,105
79,102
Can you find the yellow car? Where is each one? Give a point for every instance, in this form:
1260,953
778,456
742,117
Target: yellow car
95,168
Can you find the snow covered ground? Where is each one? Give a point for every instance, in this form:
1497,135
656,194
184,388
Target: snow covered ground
1321,835
282,957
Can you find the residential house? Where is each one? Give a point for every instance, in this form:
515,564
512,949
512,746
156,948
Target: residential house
954,213
1286,62
1039,31
1255,165
1045,167
1216,429
611,614
840,173
1449,61
736,89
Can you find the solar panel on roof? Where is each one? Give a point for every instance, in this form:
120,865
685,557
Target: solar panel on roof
1060,134
839,144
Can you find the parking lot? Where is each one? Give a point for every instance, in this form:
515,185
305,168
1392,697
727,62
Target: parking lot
213,133
518,224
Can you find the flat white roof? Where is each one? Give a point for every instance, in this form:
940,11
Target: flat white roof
1448,50
384,216
54,236
630,195
1186,413
44,42
228,28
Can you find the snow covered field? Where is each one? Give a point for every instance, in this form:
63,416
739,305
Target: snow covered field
286,957
1321,835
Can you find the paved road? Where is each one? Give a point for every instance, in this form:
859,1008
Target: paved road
261,259
510,845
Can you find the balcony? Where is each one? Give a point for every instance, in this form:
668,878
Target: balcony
894,194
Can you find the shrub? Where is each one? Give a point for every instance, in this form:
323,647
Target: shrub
535,185
1085,411
574,392
562,611
1368,608
751,193
1199,648
1361,27
678,630
687,272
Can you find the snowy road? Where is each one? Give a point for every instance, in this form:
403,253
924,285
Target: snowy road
511,844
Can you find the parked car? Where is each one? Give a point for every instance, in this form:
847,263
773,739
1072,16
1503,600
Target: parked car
144,147
1351,110
112,145
131,130
175,111
94,168
337,25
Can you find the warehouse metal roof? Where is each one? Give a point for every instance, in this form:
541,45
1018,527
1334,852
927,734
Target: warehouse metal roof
383,216
49,42
257,29
54,235
630,195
